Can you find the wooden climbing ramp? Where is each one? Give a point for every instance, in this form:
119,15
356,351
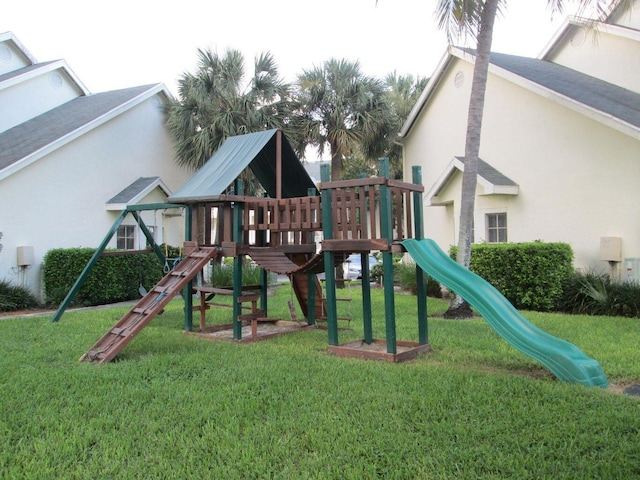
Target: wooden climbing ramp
150,305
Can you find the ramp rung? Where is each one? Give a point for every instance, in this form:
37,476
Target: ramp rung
120,332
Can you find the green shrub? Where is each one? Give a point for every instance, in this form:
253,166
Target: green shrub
15,297
530,275
222,275
405,277
112,279
593,293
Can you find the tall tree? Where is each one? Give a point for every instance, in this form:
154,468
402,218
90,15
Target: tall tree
219,101
475,19
401,93
342,110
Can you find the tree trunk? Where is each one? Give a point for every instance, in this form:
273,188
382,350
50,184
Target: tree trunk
457,309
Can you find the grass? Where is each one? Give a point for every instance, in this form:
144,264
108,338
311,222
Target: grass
178,406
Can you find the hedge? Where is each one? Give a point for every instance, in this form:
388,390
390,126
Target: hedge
112,279
530,275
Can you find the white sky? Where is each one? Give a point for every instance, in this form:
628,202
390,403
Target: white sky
119,44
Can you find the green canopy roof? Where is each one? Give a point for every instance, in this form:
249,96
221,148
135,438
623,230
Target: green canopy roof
256,151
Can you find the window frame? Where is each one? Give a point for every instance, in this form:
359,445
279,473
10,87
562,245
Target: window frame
499,232
125,236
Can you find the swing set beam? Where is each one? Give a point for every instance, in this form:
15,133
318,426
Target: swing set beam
134,211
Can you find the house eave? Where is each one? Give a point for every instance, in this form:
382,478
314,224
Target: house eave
425,95
135,200
432,197
69,137
578,107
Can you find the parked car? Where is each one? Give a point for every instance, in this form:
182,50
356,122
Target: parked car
353,266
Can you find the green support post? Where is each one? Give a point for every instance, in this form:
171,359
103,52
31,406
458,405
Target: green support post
366,299
421,281
386,231
261,240
85,272
329,260
237,264
311,282
187,292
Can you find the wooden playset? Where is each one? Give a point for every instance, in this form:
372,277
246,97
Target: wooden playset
298,230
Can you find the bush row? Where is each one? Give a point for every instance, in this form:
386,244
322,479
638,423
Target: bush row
595,294
16,297
530,275
112,279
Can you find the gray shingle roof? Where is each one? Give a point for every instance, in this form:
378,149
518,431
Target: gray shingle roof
133,190
23,70
492,175
603,96
41,131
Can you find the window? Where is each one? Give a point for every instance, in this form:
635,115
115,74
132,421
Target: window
126,237
496,227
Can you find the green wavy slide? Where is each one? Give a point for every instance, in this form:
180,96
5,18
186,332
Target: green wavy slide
563,359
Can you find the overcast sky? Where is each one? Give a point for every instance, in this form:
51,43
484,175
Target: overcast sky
119,44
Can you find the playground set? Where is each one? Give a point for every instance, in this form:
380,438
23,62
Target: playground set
279,233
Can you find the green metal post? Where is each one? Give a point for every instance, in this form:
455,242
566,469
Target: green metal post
261,240
237,264
329,260
311,281
421,281
386,230
85,272
366,299
187,292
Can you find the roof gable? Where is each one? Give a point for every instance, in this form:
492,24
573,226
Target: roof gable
492,181
25,143
610,104
133,193
254,150
596,94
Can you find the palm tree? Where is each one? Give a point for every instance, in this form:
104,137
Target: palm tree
218,101
402,93
342,109
475,19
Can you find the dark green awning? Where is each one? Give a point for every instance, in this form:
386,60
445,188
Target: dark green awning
256,151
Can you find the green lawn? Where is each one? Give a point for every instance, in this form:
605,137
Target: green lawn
179,406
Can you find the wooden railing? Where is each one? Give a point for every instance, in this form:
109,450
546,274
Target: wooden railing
356,208
356,214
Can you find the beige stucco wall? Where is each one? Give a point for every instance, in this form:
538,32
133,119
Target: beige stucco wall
577,177
629,18
588,51
59,201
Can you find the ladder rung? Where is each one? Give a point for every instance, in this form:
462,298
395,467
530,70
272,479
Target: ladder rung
120,332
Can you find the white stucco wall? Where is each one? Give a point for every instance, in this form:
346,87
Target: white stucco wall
577,177
59,201
33,97
11,58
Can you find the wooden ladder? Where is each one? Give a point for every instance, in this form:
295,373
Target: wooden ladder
150,305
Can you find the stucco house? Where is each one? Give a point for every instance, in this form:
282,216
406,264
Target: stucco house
560,146
70,161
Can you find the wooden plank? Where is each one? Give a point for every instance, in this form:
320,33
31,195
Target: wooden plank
373,213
